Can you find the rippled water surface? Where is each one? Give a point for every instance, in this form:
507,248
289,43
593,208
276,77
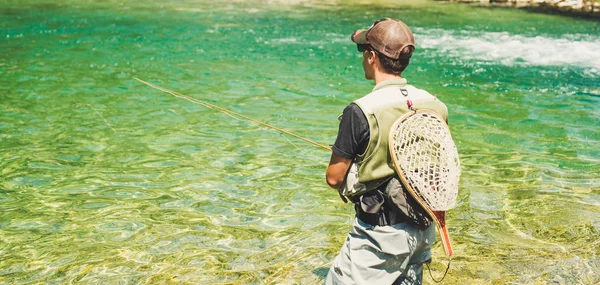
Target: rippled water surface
105,180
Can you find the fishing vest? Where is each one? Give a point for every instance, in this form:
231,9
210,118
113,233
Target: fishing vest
382,108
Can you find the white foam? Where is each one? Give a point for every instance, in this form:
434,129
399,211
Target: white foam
509,49
327,39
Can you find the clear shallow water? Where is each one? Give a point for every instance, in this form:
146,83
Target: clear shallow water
103,179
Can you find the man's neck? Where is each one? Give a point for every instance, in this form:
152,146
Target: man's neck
381,77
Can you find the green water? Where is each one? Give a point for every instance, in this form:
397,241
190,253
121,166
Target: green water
105,180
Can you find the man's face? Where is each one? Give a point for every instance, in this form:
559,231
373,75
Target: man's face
367,64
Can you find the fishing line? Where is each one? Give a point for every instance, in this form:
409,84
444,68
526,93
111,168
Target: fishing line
229,112
105,121
292,143
308,155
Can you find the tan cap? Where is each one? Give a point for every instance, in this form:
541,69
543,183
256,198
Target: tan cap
387,36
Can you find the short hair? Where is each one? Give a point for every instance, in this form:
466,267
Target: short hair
395,66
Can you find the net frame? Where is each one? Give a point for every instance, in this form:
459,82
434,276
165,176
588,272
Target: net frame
431,180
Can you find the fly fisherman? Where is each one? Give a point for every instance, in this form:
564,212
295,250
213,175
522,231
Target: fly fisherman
391,238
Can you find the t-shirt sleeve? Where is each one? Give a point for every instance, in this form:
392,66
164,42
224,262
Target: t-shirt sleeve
353,133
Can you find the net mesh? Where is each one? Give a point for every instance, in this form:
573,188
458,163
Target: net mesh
424,151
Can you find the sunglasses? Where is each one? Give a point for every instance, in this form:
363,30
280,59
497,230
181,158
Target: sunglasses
363,47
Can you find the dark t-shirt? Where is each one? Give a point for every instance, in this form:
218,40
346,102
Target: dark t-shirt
353,133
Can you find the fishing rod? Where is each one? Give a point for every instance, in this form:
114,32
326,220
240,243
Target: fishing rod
194,100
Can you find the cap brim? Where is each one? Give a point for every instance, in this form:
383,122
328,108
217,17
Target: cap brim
360,37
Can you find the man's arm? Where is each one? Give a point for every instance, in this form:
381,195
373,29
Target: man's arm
336,171
352,139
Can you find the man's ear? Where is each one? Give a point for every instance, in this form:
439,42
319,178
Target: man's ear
371,57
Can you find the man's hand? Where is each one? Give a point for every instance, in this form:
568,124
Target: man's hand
342,195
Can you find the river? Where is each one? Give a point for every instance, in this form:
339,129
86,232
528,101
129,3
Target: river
104,180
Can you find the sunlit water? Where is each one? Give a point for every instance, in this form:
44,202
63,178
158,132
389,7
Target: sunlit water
105,180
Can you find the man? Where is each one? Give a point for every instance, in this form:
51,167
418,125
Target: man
390,240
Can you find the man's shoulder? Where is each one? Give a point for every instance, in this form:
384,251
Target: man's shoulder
390,95
352,110
425,100
397,96
418,91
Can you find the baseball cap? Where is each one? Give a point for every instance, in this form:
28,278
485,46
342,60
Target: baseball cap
387,36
